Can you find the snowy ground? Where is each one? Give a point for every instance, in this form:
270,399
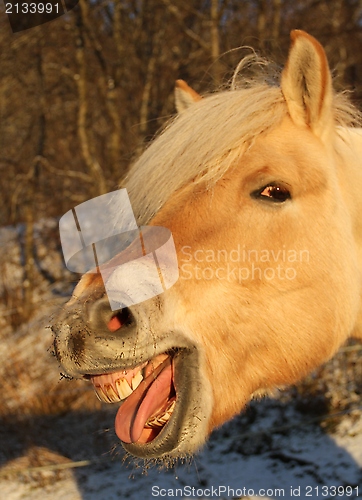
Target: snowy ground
302,460
270,452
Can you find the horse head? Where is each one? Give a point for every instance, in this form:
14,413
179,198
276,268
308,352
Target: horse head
259,187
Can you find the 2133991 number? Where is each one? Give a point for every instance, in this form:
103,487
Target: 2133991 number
331,491
32,8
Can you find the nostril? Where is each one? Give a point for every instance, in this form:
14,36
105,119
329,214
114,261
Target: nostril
100,318
114,324
121,318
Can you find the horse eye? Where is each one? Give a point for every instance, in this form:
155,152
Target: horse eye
273,192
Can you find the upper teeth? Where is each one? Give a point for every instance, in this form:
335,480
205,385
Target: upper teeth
113,387
136,380
120,390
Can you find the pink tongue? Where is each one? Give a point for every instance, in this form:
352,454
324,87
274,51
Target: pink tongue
150,396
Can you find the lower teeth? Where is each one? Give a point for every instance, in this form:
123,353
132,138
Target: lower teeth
160,420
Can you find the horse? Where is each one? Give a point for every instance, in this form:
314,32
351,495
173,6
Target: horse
260,186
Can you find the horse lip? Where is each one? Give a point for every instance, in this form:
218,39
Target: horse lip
129,364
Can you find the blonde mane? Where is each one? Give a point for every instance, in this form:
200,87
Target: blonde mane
202,143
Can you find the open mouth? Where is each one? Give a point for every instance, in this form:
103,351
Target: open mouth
147,394
157,378
161,413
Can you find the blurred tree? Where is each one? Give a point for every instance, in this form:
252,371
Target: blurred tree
107,73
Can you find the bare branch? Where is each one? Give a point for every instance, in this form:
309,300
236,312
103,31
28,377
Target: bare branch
177,14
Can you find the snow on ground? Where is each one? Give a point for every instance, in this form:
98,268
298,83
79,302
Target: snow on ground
237,462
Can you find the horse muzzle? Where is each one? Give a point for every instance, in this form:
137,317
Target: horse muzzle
154,376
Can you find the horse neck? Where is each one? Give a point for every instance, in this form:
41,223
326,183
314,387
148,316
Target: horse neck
349,147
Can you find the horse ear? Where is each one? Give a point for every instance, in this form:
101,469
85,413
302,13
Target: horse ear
307,84
185,96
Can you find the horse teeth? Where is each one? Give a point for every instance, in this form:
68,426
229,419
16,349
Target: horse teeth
137,379
100,394
123,388
158,421
172,406
161,420
111,393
